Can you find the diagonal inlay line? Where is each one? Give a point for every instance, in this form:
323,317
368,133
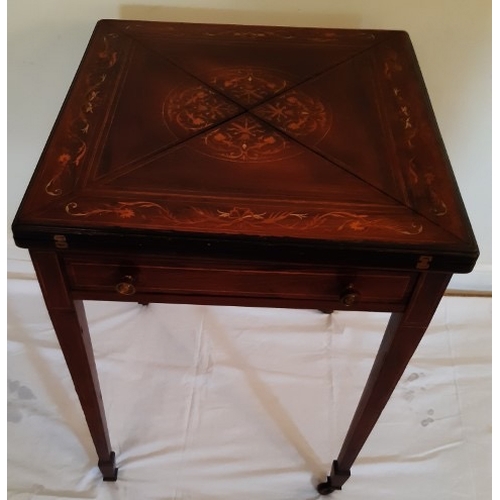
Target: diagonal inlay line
292,86
158,153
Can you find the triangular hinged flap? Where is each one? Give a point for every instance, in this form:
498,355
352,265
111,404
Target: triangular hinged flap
372,116
158,106
229,59
338,115
248,156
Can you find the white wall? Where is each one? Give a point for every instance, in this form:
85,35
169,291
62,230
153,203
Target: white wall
452,38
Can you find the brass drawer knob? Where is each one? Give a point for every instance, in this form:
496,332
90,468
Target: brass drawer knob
125,287
350,296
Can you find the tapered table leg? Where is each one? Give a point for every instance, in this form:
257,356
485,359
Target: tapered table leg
70,325
401,338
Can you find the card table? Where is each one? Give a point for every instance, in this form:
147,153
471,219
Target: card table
246,166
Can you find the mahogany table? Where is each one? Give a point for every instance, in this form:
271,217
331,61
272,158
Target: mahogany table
250,166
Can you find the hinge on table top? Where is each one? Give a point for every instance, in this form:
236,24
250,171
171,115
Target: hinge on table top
60,241
424,262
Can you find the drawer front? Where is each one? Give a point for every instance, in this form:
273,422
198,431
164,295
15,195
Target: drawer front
346,287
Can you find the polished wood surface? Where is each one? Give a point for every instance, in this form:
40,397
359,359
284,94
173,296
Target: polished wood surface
246,165
248,133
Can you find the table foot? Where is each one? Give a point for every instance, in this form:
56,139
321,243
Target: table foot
333,482
327,310
108,468
326,488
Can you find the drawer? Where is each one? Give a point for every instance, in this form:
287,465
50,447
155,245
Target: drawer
121,278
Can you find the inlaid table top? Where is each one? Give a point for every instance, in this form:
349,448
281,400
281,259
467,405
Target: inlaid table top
314,142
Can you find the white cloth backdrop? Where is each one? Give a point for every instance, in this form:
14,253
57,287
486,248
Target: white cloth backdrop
234,403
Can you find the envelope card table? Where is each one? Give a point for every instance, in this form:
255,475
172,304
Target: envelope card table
249,166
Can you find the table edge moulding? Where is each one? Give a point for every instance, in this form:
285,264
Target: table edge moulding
248,166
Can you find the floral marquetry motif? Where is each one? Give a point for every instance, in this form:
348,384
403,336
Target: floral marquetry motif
245,217
296,113
196,108
249,86
82,122
247,139
419,170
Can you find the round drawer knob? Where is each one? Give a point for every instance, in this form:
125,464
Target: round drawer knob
125,287
349,297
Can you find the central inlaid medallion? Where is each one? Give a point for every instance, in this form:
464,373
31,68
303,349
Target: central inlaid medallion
246,115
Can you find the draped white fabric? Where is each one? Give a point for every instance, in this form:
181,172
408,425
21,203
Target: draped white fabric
244,403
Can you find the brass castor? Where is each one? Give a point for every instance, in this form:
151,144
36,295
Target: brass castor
326,488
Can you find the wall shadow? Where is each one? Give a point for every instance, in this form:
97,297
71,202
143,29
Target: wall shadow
233,16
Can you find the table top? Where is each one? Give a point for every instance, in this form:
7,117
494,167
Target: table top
309,143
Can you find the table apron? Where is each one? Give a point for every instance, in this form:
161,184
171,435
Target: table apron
238,283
